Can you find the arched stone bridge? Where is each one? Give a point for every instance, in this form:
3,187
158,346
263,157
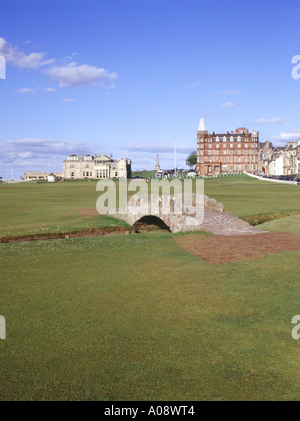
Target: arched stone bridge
175,211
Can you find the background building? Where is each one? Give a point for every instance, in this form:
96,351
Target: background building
226,153
40,175
97,166
281,160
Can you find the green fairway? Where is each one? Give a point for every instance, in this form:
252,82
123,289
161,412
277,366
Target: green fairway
245,196
31,208
289,223
138,318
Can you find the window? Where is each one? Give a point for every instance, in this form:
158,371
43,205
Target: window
217,146
246,145
224,146
239,145
201,146
217,139
224,138
210,146
231,145
231,138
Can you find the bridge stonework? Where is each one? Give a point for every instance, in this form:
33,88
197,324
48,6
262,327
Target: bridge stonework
180,212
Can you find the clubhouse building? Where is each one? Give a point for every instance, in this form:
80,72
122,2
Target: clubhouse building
97,166
226,153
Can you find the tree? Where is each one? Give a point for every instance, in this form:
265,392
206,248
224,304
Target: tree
191,159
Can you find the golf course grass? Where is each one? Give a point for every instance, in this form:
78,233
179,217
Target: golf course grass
289,224
136,317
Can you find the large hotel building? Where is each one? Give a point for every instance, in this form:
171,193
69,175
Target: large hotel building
226,153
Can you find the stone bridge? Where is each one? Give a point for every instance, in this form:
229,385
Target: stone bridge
183,213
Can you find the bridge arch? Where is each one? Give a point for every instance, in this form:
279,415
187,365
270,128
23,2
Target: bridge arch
151,220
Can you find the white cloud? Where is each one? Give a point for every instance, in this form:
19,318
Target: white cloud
69,100
49,90
11,150
274,120
68,74
228,105
155,148
18,58
194,84
81,75
26,91
229,92
283,137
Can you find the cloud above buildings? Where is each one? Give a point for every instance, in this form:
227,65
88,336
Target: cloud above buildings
228,104
194,84
286,136
18,58
273,120
25,91
154,148
19,149
69,100
74,74
229,92
67,74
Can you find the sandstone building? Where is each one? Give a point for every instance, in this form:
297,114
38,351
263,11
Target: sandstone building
97,166
226,153
282,160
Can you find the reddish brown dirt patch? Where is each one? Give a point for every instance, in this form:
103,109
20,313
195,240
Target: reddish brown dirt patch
217,249
88,212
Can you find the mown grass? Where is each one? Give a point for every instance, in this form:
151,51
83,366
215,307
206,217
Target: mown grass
244,196
289,224
138,318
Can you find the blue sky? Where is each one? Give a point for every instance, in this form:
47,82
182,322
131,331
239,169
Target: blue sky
132,77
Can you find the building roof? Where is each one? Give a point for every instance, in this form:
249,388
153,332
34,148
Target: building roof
202,125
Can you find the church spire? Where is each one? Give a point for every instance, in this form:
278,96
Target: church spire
157,167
